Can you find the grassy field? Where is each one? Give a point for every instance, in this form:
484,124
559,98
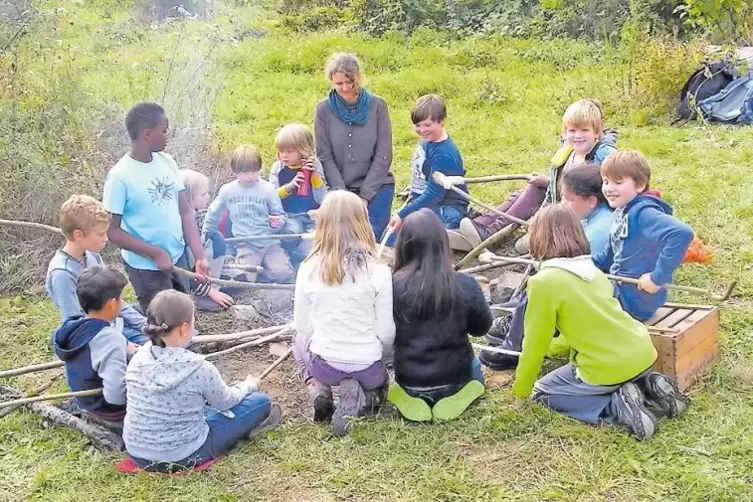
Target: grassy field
240,79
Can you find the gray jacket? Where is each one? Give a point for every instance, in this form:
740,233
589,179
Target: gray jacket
356,158
167,390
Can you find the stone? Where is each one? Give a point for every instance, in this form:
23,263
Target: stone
244,313
502,288
276,300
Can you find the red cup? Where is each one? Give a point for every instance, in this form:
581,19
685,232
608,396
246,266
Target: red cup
305,185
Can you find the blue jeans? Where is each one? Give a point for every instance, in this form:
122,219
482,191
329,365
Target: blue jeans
298,249
450,216
134,335
379,209
224,433
433,394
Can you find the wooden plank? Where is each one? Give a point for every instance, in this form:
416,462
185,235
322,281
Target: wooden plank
675,317
660,314
689,359
658,341
688,306
686,378
700,331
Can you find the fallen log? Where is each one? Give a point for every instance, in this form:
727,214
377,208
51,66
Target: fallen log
33,393
31,369
252,343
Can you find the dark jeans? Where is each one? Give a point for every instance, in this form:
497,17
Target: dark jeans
224,433
449,215
379,209
433,394
147,283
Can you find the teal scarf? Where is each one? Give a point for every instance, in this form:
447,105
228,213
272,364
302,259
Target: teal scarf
357,113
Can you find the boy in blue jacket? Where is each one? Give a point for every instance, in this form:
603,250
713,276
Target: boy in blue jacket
646,241
93,347
436,152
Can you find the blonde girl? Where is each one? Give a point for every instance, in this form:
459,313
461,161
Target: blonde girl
343,313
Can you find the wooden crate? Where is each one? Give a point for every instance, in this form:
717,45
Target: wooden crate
688,342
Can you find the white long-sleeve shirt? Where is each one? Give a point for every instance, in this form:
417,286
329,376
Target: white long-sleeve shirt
349,323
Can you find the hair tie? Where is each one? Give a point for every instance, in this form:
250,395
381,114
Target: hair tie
164,326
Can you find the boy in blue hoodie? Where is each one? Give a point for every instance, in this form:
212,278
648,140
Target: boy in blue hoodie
436,152
92,347
646,241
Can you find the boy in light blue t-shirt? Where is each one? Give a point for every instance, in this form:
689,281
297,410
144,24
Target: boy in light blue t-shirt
151,214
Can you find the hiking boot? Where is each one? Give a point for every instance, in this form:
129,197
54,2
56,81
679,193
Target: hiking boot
351,405
320,398
497,362
498,331
272,420
473,233
458,242
631,412
663,391
375,398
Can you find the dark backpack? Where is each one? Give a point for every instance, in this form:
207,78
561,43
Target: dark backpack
734,105
704,83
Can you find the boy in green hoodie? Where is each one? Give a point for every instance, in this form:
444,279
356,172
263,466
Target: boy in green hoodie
611,353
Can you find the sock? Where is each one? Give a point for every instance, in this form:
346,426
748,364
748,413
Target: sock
451,407
412,408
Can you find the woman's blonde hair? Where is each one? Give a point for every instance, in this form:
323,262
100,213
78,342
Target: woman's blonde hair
343,241
194,182
556,232
348,65
296,136
585,112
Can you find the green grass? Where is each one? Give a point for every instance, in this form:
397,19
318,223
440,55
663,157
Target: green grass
505,99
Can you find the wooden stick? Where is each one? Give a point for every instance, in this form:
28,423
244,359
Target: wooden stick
386,237
501,177
33,393
490,241
239,284
239,268
496,349
275,364
231,240
440,178
51,397
482,268
31,369
252,343
239,335
30,224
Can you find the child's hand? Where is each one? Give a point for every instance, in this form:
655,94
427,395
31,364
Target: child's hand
538,180
646,284
294,183
276,221
202,270
223,300
395,223
132,348
253,381
308,164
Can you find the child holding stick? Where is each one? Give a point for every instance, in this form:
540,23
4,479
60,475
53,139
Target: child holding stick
180,413
435,308
343,314
611,353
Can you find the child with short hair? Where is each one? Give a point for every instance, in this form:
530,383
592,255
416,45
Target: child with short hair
435,309
343,314
646,241
92,346
586,140
209,298
84,222
298,177
180,412
436,152
152,218
256,211
611,353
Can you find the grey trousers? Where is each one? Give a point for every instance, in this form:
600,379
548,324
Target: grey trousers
562,391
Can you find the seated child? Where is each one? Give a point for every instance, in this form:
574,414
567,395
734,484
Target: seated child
585,141
92,346
299,178
581,192
646,241
152,219
612,353
180,412
210,298
256,211
435,308
84,222
435,152
343,314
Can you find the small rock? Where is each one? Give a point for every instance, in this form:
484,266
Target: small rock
502,288
277,300
244,313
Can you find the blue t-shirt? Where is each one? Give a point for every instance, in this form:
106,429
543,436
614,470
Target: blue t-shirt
597,227
146,197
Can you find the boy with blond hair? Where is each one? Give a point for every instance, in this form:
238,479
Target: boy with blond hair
646,241
585,140
256,211
84,222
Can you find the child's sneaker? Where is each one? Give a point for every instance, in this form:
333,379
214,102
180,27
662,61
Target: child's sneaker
664,392
472,232
351,405
272,420
631,412
496,361
320,398
498,331
411,408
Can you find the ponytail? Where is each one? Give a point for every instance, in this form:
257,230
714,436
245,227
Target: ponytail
167,310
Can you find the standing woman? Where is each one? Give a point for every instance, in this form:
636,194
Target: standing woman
354,140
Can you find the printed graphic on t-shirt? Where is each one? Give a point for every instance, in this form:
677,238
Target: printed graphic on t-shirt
161,191
418,182
618,233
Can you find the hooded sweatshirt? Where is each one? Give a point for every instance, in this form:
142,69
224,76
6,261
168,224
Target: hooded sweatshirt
94,353
608,347
167,390
644,239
